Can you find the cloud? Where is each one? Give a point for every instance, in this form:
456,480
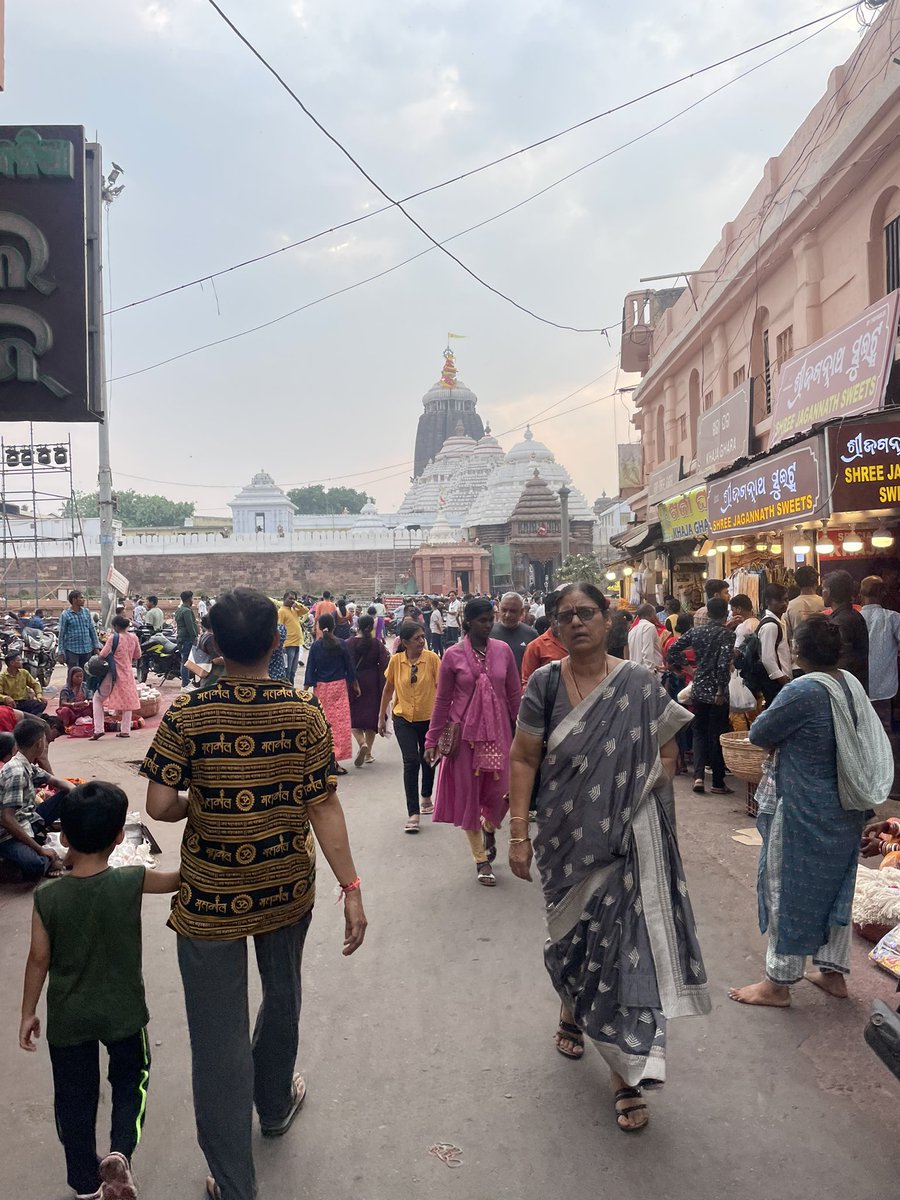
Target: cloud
155,16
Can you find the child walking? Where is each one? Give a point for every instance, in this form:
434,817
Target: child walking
86,932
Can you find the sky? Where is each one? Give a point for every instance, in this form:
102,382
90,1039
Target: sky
222,165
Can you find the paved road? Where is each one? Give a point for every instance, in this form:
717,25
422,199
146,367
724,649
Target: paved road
439,1030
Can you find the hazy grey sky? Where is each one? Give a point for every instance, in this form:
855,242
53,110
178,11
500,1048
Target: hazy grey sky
221,165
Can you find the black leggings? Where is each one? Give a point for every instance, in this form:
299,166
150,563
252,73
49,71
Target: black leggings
76,1087
411,740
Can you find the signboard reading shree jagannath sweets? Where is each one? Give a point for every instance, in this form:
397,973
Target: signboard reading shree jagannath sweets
843,375
782,489
865,464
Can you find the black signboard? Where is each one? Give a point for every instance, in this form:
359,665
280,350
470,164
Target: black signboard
43,283
865,464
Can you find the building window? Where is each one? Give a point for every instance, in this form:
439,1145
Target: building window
784,347
707,401
682,428
892,254
738,377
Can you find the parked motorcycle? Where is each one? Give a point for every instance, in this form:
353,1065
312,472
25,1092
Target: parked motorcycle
159,654
39,649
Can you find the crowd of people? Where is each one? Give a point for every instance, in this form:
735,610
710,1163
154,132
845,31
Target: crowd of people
568,715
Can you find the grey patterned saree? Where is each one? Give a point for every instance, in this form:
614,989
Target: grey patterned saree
622,952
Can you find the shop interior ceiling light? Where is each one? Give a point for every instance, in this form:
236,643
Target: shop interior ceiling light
760,545
628,570
882,539
737,546
712,551
775,546
611,575
852,543
824,545
803,545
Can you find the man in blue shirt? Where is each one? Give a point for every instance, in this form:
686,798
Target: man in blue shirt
77,636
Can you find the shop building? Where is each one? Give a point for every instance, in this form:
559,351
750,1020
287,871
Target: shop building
780,346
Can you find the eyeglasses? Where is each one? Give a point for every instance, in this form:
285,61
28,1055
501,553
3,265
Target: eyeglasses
584,615
413,672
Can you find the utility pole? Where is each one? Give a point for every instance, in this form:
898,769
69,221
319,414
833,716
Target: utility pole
101,191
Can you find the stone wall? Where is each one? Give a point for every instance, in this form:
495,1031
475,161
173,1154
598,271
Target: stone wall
358,573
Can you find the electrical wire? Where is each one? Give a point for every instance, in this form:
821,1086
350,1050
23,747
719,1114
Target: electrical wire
494,162
606,330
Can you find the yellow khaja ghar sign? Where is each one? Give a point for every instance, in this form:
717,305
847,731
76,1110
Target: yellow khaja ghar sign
684,517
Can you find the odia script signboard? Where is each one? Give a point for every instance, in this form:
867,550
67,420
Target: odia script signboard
664,480
784,489
723,433
842,375
684,517
865,464
43,289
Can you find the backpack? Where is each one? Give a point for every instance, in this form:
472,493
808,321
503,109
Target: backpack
748,660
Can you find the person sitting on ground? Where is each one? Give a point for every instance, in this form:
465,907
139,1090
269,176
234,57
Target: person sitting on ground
7,748
20,686
19,809
714,588
86,934
9,715
73,699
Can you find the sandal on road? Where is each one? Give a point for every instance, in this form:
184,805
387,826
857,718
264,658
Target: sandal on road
298,1095
360,757
485,875
629,1093
426,808
567,1032
412,825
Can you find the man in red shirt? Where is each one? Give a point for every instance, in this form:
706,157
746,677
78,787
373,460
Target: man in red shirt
547,647
9,715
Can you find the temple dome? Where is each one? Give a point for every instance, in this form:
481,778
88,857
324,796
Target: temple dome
529,450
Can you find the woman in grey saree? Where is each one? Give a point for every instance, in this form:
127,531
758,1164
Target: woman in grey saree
622,950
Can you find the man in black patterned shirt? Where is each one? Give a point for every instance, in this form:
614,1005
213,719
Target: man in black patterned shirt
713,645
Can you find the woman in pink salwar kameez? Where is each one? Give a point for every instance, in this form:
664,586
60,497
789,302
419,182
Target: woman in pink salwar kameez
479,691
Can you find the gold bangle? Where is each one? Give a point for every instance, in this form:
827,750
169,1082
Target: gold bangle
527,820
514,841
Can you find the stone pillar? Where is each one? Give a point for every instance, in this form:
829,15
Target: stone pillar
807,294
671,394
564,494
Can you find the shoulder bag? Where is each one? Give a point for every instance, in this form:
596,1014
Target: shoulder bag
549,704
882,1033
448,742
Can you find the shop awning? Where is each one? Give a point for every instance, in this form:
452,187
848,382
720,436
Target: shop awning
638,539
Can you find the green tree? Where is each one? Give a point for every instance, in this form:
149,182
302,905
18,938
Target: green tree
581,566
136,509
316,499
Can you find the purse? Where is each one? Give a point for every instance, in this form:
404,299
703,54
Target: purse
448,742
882,1034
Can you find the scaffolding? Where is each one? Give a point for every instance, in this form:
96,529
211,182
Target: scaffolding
34,478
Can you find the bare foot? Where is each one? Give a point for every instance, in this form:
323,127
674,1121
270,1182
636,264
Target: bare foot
831,982
772,995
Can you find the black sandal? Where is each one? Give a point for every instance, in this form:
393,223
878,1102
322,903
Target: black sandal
567,1032
629,1093
490,844
485,875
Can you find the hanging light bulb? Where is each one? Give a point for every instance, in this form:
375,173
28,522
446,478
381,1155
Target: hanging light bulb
695,553
803,546
775,546
882,538
760,544
737,546
853,543
825,545
628,570
712,551
611,576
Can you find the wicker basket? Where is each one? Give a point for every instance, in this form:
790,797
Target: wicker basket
149,708
741,758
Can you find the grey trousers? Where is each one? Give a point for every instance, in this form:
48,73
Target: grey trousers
232,1074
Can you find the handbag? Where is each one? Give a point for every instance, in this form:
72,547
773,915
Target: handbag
448,742
198,662
882,1033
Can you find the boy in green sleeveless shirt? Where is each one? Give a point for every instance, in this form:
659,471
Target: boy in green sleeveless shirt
86,932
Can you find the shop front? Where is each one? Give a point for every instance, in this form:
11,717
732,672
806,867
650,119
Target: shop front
684,525
758,517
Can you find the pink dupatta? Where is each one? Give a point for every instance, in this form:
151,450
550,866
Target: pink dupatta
482,721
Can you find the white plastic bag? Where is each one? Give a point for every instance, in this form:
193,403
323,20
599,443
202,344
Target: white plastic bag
686,695
740,698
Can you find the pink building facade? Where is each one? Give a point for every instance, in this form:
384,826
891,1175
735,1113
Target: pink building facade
816,243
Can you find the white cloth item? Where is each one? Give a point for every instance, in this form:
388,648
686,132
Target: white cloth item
451,621
865,761
774,653
883,625
743,630
643,645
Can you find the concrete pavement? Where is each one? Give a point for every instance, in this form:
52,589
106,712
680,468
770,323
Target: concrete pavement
440,1030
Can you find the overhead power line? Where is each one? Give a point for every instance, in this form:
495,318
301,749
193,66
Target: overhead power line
247,262
606,330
